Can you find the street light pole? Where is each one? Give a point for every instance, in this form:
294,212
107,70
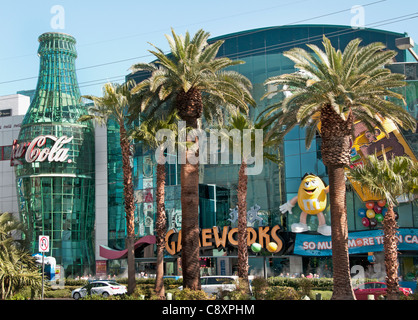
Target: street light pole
406,43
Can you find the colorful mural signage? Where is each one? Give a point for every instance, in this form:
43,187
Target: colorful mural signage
367,143
216,237
358,242
374,213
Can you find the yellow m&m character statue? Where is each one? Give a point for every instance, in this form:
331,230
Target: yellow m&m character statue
312,199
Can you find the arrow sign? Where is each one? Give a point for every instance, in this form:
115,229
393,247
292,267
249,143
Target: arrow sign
44,243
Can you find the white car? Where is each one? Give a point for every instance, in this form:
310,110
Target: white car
213,284
103,287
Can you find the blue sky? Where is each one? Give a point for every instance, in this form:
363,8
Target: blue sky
113,35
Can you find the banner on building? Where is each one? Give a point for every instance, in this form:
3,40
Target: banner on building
369,143
358,242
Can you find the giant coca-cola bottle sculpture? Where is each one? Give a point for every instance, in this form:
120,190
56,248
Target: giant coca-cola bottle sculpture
54,161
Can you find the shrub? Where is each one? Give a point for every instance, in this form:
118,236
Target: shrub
259,287
188,294
282,293
58,293
145,291
19,296
305,286
317,283
242,292
95,296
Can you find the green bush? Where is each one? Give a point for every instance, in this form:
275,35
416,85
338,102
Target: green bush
19,296
241,292
23,294
259,287
305,286
57,293
94,297
188,294
296,283
75,283
282,293
413,296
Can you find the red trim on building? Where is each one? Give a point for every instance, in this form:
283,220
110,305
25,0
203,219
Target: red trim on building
108,253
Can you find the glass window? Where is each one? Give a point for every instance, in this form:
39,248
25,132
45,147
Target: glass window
292,185
292,166
309,163
5,152
405,215
368,285
293,134
380,286
291,147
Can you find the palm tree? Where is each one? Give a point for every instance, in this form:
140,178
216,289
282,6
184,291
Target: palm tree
242,123
147,132
17,267
331,90
389,179
114,106
194,83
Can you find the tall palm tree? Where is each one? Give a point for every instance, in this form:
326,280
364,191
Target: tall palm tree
147,132
389,179
114,105
242,123
195,83
331,90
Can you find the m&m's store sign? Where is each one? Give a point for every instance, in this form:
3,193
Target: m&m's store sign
358,242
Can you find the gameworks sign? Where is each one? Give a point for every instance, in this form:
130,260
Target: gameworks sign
37,150
216,237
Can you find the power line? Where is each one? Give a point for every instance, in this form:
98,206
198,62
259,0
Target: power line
319,37
247,52
250,52
149,55
162,30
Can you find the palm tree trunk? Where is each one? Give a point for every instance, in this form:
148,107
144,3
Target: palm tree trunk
129,205
339,235
242,224
335,149
390,245
190,224
189,106
161,230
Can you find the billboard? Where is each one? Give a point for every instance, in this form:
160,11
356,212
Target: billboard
367,143
358,242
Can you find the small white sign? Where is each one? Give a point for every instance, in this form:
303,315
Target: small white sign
43,243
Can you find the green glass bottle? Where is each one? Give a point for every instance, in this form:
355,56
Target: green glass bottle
54,161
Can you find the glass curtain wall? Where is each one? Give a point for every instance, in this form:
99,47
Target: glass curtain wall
262,50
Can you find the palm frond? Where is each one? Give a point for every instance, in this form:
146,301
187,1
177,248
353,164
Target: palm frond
355,79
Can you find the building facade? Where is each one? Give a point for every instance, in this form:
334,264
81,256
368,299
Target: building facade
13,108
297,253
262,50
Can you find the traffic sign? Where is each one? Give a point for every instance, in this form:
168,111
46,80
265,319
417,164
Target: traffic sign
44,243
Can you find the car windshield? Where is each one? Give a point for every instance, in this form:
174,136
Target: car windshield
113,283
220,280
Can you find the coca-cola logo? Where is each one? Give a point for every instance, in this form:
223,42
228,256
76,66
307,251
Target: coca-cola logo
36,151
